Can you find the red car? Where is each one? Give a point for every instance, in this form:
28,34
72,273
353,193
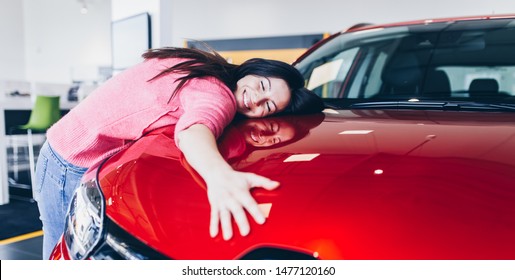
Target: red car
413,159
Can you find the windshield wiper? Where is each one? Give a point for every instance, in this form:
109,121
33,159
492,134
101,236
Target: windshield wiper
398,105
502,106
479,106
435,105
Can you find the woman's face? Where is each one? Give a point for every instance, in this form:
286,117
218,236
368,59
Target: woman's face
267,132
258,97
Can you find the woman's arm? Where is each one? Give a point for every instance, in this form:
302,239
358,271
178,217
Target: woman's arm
228,190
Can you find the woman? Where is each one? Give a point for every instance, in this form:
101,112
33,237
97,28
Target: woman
245,136
200,93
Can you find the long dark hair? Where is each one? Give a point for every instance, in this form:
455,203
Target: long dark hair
201,63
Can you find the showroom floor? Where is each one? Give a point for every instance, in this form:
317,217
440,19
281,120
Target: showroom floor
20,231
26,249
21,235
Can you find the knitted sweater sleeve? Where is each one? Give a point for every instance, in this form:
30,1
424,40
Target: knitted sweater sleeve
206,101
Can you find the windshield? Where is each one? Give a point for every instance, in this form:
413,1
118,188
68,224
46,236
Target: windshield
463,61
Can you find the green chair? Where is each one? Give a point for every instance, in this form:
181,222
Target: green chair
45,113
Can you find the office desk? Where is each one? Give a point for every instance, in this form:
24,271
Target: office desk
15,104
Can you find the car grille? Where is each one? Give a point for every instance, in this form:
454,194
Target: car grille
120,245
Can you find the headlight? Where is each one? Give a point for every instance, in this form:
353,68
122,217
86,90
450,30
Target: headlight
85,220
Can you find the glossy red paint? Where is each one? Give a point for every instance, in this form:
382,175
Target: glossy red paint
60,251
384,185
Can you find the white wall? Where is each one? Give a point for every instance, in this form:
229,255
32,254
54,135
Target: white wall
12,56
61,43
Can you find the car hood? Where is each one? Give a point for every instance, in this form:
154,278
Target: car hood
363,184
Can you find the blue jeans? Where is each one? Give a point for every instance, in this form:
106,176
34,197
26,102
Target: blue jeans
56,181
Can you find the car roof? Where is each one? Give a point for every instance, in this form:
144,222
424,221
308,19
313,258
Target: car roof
368,26
365,26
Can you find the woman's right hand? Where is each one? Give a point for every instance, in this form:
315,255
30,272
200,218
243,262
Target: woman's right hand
228,190
229,196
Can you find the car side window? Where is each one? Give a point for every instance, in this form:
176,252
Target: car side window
496,79
327,78
374,83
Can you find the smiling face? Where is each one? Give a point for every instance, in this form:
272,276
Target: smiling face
258,97
267,132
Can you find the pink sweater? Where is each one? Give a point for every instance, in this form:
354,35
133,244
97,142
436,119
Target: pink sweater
127,106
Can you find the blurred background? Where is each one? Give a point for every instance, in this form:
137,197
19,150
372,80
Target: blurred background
61,41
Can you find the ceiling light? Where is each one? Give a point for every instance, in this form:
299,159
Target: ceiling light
84,7
354,132
301,157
